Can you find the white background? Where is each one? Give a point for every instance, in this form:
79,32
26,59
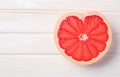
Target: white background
27,47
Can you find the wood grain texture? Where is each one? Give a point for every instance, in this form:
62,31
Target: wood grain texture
66,5
39,44
43,22
55,65
27,44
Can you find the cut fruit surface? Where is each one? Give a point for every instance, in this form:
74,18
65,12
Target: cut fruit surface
83,38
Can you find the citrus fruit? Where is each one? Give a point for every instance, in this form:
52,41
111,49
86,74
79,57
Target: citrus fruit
83,38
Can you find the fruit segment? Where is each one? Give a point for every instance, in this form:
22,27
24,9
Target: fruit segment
75,22
78,54
93,50
92,22
101,38
102,28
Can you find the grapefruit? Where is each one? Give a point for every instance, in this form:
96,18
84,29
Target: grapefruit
83,38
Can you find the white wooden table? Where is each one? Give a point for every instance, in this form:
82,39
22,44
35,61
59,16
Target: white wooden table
27,46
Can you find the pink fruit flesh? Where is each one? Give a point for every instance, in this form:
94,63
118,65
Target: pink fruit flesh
83,40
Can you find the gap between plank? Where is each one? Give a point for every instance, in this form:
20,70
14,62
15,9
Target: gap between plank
48,11
39,54
30,54
47,33
26,33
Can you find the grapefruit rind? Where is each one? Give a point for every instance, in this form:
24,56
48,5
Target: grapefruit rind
82,16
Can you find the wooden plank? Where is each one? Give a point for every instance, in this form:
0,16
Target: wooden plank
69,5
27,44
28,22
43,22
55,65
30,44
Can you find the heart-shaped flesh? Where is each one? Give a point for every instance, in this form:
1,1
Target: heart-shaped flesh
83,38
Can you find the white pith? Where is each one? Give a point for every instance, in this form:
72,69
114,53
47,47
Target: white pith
83,37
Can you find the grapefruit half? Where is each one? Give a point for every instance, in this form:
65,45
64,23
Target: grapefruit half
83,38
